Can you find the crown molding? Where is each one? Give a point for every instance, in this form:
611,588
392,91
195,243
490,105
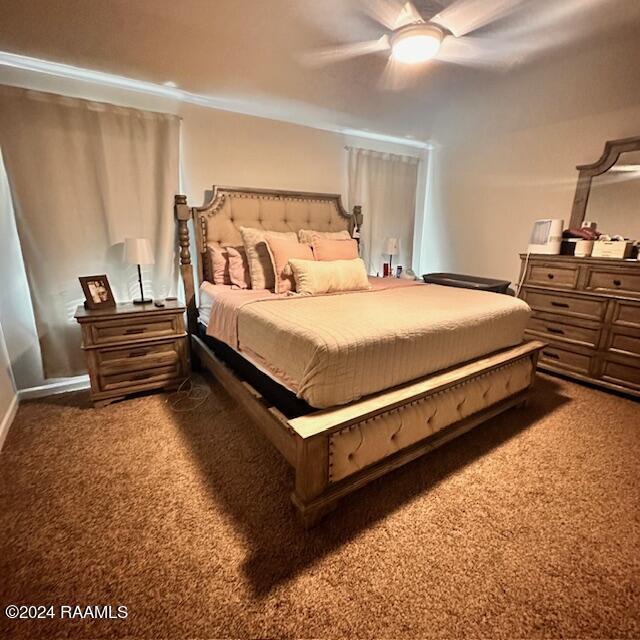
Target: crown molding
245,107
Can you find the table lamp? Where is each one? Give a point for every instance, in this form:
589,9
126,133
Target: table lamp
138,251
392,247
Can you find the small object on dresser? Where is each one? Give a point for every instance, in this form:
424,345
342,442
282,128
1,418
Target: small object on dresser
399,271
612,249
385,270
97,292
138,251
158,304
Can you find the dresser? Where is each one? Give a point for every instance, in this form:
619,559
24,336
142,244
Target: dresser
588,311
132,348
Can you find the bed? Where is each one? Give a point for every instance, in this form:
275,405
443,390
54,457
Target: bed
348,386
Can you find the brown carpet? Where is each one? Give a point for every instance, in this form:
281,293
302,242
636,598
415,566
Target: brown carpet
526,527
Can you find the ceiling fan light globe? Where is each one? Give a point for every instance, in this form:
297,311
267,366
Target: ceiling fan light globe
416,44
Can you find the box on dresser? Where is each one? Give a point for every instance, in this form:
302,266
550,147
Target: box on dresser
133,348
588,311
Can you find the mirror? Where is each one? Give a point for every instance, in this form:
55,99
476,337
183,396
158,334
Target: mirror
614,197
608,190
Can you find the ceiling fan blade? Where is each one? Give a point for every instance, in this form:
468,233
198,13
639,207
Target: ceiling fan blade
464,16
408,15
475,51
341,52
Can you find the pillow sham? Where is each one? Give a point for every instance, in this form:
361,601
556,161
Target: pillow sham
325,249
308,235
239,267
218,264
329,277
260,267
281,250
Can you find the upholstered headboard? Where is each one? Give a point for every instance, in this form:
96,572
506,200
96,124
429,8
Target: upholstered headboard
219,220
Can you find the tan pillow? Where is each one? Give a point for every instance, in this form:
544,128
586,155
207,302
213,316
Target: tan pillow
238,267
329,277
281,250
324,249
218,264
260,267
308,235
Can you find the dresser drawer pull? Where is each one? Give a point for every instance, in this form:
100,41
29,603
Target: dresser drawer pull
550,276
554,330
550,354
564,305
141,376
135,330
139,353
617,282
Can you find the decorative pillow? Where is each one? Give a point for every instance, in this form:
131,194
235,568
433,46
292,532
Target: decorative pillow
218,264
281,250
239,267
328,277
308,235
260,267
324,249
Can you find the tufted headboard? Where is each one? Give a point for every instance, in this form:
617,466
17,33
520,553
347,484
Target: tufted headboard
219,220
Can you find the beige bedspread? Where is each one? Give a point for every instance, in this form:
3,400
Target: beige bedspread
334,349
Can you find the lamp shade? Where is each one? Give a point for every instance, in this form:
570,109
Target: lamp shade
138,251
392,246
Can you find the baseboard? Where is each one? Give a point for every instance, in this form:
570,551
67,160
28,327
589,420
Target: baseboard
8,419
63,386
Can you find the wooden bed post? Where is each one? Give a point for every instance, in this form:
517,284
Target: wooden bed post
312,479
183,215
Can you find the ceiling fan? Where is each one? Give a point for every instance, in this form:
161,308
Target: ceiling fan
424,30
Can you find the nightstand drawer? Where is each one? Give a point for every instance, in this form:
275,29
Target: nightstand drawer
134,329
135,358
129,381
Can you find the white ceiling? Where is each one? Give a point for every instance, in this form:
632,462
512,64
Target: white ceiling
254,49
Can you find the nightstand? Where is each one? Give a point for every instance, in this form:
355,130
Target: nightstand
133,348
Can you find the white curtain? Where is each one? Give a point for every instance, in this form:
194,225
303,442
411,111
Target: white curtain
385,185
84,176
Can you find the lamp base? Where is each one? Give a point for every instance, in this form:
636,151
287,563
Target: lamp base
142,300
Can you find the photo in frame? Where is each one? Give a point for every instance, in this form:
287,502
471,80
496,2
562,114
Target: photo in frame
97,292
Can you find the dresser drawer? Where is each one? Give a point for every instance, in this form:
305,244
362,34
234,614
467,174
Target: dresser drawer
129,381
621,281
564,357
622,371
562,304
554,275
133,329
626,314
552,326
623,341
138,357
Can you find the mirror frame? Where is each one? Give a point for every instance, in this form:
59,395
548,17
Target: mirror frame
610,155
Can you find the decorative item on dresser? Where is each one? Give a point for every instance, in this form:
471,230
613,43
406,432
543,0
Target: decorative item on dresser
138,251
133,348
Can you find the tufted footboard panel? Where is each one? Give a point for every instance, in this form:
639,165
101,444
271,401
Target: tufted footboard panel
358,446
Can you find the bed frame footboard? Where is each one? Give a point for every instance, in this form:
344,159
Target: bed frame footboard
336,451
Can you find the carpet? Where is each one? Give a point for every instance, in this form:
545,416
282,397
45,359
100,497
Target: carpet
526,527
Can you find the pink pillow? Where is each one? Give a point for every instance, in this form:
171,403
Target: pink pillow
239,267
281,250
325,249
219,263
